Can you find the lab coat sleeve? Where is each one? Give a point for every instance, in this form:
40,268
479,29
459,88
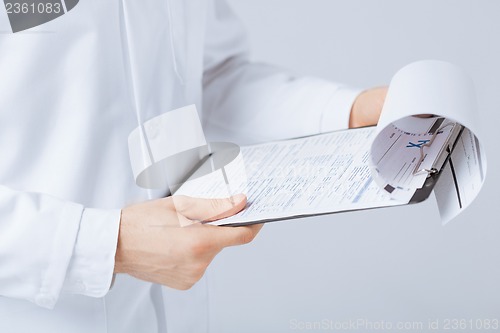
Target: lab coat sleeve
91,268
49,246
257,102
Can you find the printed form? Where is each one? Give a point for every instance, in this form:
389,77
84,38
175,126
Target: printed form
364,168
308,176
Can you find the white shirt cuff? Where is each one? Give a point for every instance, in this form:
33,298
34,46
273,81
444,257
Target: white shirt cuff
90,271
338,109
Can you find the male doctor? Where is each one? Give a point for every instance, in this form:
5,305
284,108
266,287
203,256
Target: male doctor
71,91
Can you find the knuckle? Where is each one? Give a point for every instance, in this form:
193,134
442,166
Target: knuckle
198,247
198,270
192,273
180,203
185,286
196,273
246,237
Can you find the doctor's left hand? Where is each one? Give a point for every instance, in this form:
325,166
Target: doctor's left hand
154,246
367,107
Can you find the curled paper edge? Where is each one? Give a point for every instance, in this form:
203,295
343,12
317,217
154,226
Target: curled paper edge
443,89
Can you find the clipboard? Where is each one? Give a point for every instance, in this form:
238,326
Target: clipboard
384,173
418,194
435,171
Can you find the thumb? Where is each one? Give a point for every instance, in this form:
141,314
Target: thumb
207,210
231,236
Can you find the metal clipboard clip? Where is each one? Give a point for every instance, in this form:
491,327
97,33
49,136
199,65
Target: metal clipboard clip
446,149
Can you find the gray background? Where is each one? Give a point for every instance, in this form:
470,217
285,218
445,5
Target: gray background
393,265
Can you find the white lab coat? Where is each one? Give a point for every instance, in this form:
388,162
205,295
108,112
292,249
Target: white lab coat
71,91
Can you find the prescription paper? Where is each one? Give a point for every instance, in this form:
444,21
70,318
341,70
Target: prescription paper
368,167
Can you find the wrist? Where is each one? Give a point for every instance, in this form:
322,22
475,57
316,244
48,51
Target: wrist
119,266
367,107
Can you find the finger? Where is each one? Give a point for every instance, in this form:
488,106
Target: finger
232,236
209,209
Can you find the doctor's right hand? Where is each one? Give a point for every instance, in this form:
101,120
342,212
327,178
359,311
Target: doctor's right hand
155,245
